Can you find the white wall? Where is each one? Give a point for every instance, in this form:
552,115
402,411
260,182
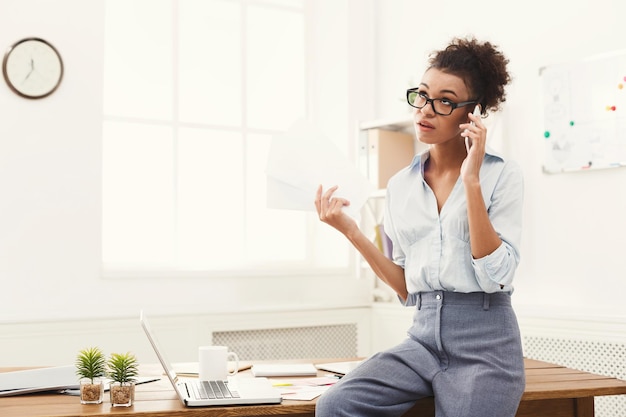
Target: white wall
50,182
573,259
50,167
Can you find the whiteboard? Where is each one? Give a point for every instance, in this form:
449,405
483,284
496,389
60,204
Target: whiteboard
585,114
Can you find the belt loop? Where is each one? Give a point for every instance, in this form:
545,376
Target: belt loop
419,300
486,301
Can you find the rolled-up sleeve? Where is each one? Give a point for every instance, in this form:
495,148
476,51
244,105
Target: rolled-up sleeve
495,271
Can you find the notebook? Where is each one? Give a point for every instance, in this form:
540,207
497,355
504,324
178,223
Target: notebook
233,391
61,379
34,380
339,367
284,369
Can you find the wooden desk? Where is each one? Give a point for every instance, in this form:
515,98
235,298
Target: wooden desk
551,390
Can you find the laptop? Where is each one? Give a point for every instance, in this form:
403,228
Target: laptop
236,390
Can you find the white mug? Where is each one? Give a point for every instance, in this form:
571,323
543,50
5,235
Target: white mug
213,363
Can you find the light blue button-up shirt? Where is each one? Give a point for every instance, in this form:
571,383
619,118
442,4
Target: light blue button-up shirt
434,248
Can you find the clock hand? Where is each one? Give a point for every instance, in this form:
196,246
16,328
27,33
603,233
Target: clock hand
32,69
27,75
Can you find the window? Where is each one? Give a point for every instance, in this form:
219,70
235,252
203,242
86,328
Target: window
194,90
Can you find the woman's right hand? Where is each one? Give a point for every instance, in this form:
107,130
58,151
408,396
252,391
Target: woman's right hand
329,210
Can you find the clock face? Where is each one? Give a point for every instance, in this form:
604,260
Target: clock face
32,68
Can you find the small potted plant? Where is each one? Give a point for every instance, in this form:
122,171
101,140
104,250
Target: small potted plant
90,367
122,369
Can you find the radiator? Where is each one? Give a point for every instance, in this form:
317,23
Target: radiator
315,342
603,358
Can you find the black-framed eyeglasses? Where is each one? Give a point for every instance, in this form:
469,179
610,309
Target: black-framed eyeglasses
441,106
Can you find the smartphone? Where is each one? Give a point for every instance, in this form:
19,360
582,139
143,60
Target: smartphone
468,141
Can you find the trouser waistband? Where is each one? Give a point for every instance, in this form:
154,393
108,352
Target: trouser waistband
472,298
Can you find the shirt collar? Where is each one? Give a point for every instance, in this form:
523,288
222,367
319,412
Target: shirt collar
421,157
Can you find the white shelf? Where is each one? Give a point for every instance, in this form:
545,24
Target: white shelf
404,124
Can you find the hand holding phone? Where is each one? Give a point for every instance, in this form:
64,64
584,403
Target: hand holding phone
468,141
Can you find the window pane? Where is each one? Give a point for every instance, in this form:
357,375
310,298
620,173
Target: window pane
210,196
188,189
331,249
138,59
285,3
271,235
276,95
137,194
210,80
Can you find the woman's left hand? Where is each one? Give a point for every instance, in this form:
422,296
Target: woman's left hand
477,134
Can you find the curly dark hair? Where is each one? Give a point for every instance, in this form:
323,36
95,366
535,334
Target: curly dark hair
481,66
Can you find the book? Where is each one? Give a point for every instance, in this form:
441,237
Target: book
383,242
378,238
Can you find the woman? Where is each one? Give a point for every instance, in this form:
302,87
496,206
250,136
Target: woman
454,218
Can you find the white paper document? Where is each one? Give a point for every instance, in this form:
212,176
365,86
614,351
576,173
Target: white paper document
300,160
304,389
302,393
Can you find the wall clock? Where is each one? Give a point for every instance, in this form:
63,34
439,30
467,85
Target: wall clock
32,68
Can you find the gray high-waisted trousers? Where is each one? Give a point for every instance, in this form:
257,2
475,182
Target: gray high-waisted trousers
463,349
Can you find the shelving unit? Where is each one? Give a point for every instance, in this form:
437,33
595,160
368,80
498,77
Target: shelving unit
373,211
390,319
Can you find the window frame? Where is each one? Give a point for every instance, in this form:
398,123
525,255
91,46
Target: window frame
306,267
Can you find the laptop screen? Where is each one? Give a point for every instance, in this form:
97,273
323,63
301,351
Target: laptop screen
169,370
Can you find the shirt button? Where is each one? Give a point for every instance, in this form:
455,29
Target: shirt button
438,296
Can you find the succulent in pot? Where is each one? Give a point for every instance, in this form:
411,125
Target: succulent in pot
90,367
122,369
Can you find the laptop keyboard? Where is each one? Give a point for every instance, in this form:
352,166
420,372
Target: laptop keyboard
212,389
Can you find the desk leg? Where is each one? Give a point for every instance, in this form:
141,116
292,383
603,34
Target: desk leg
584,407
